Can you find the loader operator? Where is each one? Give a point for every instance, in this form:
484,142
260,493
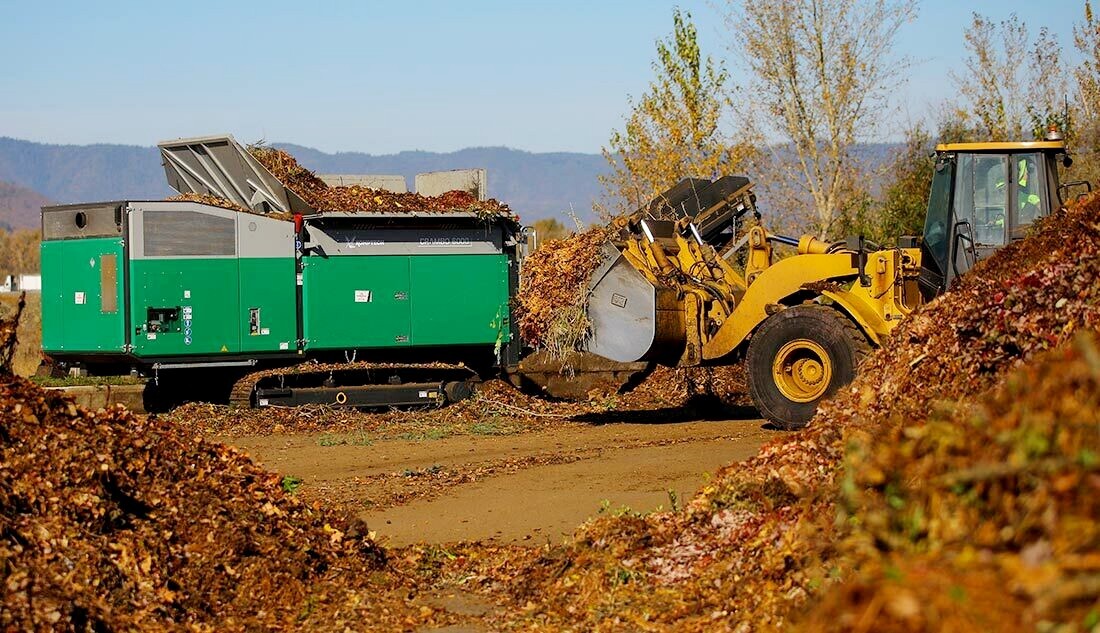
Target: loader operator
1026,194
1027,199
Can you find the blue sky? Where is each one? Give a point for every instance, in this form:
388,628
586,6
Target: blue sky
381,77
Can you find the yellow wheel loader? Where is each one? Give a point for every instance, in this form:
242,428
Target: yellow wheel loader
675,289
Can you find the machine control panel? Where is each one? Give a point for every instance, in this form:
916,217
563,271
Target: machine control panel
163,320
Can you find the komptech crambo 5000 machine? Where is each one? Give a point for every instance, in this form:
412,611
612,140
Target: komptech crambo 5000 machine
396,307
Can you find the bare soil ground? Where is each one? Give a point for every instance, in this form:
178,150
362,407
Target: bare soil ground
532,487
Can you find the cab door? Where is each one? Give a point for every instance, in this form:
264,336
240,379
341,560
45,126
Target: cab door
981,204
1028,199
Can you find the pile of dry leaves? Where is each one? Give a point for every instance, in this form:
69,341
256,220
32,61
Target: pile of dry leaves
554,289
363,199
109,521
8,338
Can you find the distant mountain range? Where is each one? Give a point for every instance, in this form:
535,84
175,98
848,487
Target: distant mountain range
535,185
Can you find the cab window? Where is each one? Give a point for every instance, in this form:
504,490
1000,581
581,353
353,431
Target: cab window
1027,182
981,197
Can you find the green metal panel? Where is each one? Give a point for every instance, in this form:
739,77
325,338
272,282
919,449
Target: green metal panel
353,301
82,305
267,286
206,293
459,299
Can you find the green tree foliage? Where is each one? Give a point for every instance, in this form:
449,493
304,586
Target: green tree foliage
905,200
674,130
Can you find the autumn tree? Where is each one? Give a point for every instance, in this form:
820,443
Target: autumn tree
821,72
548,229
19,252
1086,38
902,203
1085,133
1012,87
674,130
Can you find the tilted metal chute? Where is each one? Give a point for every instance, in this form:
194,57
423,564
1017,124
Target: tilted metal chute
219,166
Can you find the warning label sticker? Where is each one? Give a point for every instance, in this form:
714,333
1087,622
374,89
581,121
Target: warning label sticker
363,296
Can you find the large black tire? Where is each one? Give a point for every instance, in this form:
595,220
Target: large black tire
787,376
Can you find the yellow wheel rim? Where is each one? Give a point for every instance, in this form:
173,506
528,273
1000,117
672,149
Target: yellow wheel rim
802,370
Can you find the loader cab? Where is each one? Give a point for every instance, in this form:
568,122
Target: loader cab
984,196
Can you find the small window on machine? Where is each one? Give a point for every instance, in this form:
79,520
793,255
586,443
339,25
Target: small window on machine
108,284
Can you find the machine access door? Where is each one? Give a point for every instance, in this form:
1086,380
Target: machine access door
82,295
353,302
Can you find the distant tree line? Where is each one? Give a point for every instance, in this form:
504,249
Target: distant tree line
819,79
19,252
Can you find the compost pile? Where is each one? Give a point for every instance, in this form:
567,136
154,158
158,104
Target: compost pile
554,289
320,196
8,336
112,522
953,486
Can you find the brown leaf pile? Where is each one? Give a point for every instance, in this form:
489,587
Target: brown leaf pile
951,487
983,517
112,522
8,338
554,288
287,170
363,199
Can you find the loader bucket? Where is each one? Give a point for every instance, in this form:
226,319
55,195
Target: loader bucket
630,318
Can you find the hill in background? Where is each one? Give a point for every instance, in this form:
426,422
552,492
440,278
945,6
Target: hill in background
533,184
19,207
83,173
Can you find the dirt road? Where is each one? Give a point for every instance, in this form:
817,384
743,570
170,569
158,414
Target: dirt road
525,488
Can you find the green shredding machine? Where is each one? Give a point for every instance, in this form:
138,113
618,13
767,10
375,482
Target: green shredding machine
399,307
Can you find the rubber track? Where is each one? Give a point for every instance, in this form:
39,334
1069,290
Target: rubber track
241,395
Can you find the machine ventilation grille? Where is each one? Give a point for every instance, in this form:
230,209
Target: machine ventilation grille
176,233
